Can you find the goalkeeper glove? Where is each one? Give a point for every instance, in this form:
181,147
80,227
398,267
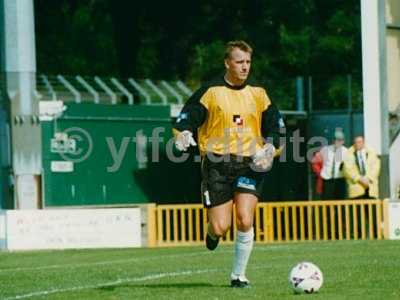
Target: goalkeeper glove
264,158
184,140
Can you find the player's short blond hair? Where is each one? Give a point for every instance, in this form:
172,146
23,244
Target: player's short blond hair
242,45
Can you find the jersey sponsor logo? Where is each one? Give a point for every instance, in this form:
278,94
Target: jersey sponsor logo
238,120
247,183
237,130
182,116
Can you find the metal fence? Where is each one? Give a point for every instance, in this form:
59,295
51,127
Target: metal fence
175,225
111,90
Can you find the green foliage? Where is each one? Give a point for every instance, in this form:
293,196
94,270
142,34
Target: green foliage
296,47
206,60
185,40
74,39
147,58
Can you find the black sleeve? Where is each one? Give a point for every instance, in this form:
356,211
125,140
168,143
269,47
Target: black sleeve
193,113
272,125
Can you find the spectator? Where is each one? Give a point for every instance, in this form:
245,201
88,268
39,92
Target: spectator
333,156
361,169
316,166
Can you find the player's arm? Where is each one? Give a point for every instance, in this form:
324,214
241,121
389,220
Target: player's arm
272,128
191,117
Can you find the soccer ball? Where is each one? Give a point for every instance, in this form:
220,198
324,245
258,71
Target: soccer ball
305,277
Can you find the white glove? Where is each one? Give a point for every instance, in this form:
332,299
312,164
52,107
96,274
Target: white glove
264,158
184,140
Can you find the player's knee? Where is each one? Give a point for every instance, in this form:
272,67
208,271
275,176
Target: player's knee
244,222
220,227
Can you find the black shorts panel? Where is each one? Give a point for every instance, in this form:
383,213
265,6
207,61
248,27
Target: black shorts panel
221,179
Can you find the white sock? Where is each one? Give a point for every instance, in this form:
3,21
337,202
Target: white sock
243,246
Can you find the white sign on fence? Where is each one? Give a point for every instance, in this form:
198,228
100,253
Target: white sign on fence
394,220
3,233
73,228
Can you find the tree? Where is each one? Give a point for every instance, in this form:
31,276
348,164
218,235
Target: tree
185,39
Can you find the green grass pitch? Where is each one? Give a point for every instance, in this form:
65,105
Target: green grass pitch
352,270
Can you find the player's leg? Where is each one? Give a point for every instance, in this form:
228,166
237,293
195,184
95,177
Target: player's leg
219,221
245,205
217,194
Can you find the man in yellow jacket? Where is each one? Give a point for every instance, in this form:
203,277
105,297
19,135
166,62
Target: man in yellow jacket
361,169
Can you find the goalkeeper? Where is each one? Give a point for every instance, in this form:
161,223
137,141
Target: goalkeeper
237,129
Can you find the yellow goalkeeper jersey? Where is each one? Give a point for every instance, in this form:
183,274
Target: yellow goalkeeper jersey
230,119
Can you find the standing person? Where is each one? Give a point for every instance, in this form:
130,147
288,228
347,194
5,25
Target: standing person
238,130
362,168
333,156
316,166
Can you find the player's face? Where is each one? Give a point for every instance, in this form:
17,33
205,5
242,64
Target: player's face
238,65
359,143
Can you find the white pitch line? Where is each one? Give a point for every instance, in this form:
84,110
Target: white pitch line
130,260
99,263
111,283
121,281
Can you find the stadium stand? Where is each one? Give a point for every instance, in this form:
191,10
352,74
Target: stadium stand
111,90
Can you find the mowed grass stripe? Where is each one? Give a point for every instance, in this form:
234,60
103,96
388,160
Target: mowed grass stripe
360,270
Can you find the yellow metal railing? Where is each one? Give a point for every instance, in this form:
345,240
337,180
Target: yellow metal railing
274,222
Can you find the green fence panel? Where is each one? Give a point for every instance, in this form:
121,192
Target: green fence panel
101,132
